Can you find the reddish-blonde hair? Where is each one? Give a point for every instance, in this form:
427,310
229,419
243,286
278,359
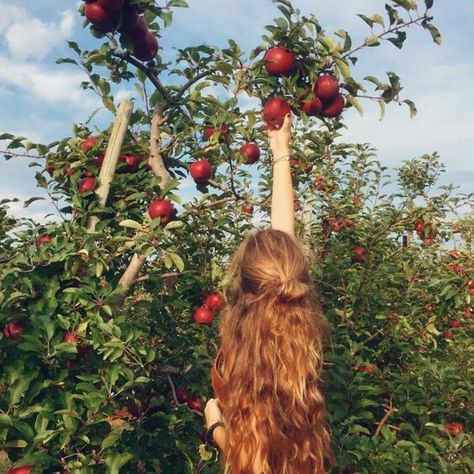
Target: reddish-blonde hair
272,333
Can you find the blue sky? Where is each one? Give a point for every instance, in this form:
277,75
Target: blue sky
40,99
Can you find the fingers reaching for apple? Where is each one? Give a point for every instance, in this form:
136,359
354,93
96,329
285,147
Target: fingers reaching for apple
212,412
279,138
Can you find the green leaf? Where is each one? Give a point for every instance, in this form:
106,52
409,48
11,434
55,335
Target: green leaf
356,103
109,104
110,440
131,224
393,15
177,260
435,34
178,3
5,421
429,4
411,106
115,461
31,200
382,109
369,21
174,225
399,39
343,67
372,41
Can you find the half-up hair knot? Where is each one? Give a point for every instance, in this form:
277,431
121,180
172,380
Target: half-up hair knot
292,289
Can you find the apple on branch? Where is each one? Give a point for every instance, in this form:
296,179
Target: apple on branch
279,61
214,301
326,87
247,208
203,315
201,171
43,239
274,112
86,184
251,152
163,209
13,330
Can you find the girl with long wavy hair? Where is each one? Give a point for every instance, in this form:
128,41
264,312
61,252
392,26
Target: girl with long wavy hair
269,416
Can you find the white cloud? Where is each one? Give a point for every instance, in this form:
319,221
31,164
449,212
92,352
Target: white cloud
31,38
47,84
10,14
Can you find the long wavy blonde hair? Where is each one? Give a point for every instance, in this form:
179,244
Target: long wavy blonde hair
272,334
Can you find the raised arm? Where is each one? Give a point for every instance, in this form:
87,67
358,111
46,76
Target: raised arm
283,211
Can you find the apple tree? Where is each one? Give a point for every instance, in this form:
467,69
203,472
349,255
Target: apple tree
109,311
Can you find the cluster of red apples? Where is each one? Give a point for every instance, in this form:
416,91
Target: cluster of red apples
322,99
213,302
201,170
120,15
129,163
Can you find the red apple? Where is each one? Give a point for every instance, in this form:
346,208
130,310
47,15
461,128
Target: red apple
247,208
429,307
214,301
13,330
182,394
279,61
88,143
312,107
370,369
448,334
222,129
201,171
133,161
453,254
357,201
274,112
420,227
139,33
43,239
359,254
251,151
67,171
203,315
86,184
110,5
321,185
202,436
455,268
147,49
71,336
20,470
454,323
296,204
326,87
49,168
334,108
194,403
454,428
98,16
99,159
163,209
129,18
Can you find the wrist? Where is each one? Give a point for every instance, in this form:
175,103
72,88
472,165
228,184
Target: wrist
280,150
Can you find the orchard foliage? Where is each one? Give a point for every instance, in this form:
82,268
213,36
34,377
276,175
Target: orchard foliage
109,370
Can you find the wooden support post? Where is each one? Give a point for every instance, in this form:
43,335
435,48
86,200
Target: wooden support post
112,154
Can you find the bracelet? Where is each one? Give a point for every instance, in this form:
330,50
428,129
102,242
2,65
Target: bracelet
282,158
210,434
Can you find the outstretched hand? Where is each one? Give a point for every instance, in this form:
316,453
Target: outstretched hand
212,411
279,138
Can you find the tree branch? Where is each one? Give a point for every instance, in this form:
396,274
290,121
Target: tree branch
125,56
387,32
